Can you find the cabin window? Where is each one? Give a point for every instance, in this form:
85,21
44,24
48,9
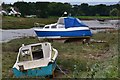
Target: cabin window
25,56
53,26
47,27
37,52
61,26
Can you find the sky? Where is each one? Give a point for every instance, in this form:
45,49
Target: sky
12,1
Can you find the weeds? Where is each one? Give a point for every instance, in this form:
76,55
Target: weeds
97,60
23,23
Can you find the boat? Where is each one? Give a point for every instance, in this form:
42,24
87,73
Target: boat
35,60
65,28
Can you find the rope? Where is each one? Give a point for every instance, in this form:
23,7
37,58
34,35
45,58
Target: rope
62,71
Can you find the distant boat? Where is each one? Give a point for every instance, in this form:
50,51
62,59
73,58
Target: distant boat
35,60
101,20
65,28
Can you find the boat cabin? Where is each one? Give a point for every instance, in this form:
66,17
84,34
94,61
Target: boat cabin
35,55
65,22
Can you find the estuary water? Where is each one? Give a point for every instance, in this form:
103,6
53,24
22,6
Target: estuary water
8,35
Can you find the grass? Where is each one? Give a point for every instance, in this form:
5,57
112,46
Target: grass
9,22
97,17
23,23
92,17
97,60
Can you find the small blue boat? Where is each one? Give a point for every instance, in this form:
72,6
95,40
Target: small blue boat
35,60
66,27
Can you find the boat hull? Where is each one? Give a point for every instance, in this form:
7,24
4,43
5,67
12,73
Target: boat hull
40,71
63,34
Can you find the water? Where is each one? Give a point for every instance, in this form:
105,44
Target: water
8,35
98,24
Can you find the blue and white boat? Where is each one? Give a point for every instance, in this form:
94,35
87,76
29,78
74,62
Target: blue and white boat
66,27
35,60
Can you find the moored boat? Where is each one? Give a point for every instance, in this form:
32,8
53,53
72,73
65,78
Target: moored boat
65,28
35,60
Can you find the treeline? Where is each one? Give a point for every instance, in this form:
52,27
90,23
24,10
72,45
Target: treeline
46,9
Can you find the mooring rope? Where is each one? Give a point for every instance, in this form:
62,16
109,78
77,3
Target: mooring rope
62,71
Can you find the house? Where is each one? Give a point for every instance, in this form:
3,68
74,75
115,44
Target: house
13,12
3,12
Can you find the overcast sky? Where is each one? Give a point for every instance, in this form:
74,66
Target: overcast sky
12,1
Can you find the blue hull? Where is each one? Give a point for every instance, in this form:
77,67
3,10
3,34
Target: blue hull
75,33
41,71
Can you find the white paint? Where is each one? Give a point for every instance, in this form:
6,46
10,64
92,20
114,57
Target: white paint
61,29
47,52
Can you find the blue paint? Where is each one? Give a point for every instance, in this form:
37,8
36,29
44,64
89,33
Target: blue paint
41,71
75,33
73,22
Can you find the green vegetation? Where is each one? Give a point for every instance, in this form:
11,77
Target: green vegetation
23,23
46,9
97,17
96,60
9,22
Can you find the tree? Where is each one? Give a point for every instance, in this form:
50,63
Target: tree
85,9
57,9
6,6
32,10
46,9
76,11
23,8
102,9
42,9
